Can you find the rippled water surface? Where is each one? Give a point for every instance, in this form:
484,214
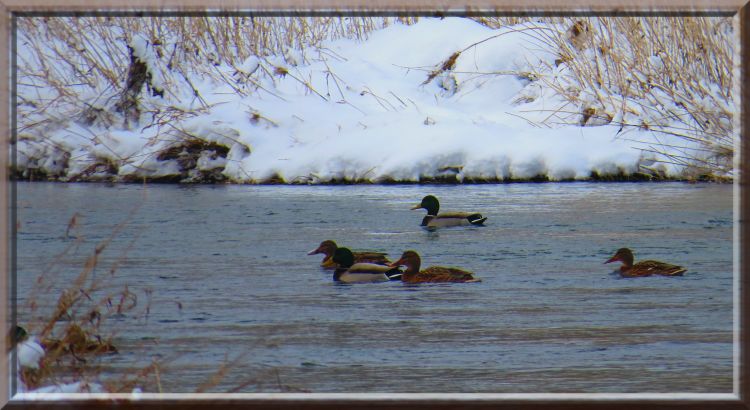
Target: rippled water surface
230,282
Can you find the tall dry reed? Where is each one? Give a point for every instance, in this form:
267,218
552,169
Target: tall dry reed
668,75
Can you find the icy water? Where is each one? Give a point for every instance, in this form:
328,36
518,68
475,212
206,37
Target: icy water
224,272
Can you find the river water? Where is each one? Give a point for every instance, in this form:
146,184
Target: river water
224,273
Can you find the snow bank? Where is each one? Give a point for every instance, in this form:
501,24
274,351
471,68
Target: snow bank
77,387
29,354
351,110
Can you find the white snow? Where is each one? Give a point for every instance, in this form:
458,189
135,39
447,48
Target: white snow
30,352
360,110
76,387
143,50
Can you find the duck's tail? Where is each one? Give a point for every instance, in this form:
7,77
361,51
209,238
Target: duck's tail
394,274
476,219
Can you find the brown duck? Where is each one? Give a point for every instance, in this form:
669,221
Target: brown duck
412,274
328,248
643,268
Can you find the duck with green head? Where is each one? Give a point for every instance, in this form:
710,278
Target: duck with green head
412,274
348,271
328,248
629,269
435,220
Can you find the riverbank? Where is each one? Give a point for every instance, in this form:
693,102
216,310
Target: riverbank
426,100
448,179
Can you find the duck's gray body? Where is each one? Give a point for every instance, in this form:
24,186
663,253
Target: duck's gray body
348,272
435,220
363,273
453,219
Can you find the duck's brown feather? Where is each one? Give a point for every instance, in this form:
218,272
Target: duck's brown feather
650,267
439,274
371,257
378,258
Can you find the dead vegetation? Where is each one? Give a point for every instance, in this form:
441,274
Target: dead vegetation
93,71
71,330
75,319
668,75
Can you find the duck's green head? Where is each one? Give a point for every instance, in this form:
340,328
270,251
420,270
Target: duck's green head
19,335
430,203
343,257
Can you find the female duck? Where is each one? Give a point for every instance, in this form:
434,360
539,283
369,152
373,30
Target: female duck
350,272
643,268
435,220
412,274
328,248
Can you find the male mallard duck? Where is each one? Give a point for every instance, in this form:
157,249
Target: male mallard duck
643,268
328,248
435,220
350,272
412,274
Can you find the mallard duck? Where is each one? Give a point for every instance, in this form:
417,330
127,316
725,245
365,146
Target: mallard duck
643,268
328,248
436,220
412,274
350,272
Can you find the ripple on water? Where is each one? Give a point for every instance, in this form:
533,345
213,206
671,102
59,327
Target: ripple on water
548,316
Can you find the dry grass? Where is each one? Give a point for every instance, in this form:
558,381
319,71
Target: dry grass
71,319
92,50
71,329
91,61
668,75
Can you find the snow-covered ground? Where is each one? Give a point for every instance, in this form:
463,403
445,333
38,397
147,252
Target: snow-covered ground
29,354
354,110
